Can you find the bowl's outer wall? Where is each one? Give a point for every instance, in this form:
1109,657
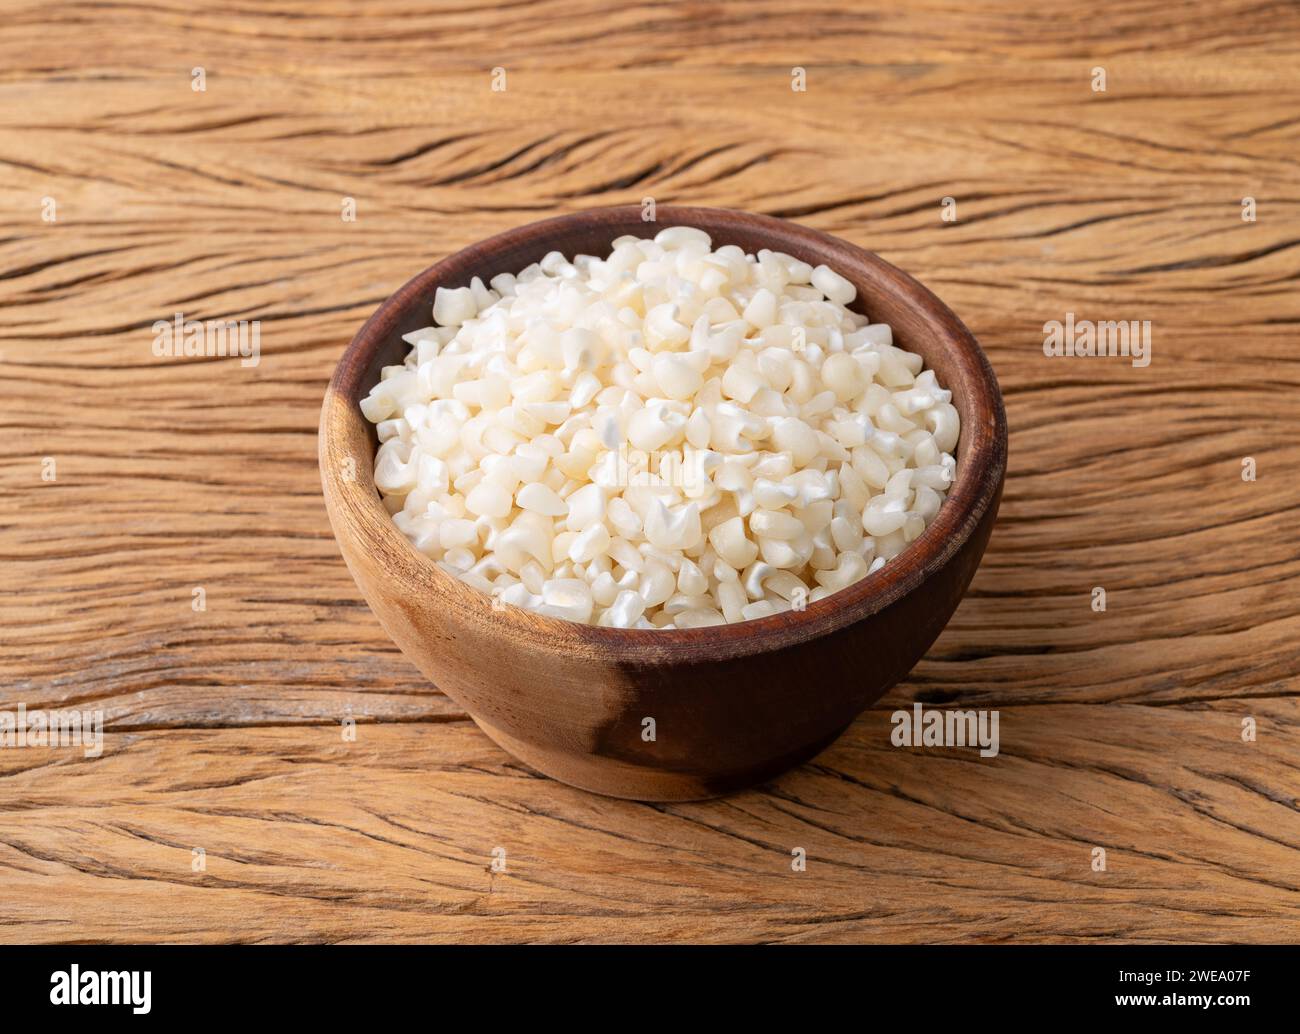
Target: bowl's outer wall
574,700
719,725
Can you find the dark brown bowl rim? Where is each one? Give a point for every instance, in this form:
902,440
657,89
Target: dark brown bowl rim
977,486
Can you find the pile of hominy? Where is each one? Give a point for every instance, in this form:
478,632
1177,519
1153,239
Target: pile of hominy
672,436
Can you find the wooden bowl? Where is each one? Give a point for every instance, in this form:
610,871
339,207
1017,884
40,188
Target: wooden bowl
733,705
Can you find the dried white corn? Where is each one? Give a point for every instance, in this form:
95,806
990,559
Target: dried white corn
667,437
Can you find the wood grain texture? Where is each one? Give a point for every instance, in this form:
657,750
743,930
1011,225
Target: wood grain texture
1119,730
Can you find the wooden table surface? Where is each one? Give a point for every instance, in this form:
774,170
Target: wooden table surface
1120,730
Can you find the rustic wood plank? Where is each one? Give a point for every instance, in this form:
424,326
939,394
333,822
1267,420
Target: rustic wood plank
1120,729
391,837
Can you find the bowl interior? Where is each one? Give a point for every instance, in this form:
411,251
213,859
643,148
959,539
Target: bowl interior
920,323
